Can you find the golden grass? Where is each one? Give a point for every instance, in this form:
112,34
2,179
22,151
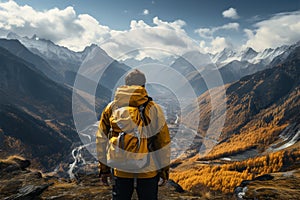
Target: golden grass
259,138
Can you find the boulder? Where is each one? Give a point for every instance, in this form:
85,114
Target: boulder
14,163
29,192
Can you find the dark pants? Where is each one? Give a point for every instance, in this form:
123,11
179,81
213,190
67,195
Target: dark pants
146,188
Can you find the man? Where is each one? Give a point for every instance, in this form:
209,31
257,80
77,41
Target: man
144,180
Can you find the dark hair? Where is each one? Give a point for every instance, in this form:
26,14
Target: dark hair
135,77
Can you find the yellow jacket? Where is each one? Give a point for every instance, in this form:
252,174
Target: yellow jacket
135,96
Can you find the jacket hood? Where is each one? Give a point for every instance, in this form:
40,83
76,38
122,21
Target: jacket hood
131,95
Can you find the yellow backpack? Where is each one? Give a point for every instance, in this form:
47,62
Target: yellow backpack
128,148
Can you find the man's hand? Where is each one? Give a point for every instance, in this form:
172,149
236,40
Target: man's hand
104,178
163,176
162,182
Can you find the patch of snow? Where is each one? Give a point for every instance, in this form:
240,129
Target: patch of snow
290,143
226,159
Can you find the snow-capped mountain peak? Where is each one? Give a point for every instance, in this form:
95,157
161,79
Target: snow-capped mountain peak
51,51
248,54
268,55
89,49
45,47
222,56
60,58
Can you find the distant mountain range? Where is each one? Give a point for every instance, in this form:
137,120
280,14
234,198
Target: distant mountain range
60,58
66,62
15,47
148,60
197,68
194,66
231,65
265,57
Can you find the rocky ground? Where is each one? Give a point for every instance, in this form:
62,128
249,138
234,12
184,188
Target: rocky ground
19,182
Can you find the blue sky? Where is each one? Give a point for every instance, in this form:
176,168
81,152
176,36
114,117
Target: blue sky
212,25
197,13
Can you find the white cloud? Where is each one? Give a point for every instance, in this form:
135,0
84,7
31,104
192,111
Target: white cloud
249,33
138,24
230,13
281,29
146,12
205,32
157,40
232,26
219,43
176,25
63,27
209,32
216,45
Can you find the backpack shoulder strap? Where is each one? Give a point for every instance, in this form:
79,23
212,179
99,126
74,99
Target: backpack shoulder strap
142,110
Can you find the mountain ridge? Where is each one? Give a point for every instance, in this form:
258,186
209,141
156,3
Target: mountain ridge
16,48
